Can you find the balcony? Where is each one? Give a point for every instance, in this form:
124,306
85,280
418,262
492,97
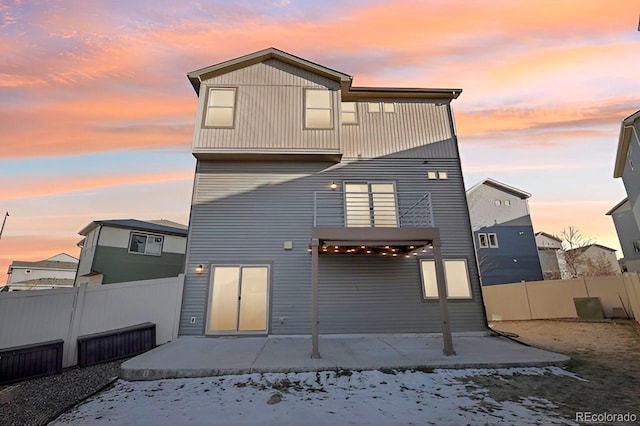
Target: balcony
373,222
372,209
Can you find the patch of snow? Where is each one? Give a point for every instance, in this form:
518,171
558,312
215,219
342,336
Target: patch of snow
316,398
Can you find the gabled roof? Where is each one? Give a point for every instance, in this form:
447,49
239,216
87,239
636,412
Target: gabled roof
617,206
135,224
500,186
585,248
44,264
626,129
348,93
553,237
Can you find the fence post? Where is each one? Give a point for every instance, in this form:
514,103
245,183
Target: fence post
71,344
177,308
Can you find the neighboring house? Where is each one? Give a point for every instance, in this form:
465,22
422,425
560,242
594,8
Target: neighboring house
319,207
551,255
503,233
627,165
592,260
56,271
628,234
130,250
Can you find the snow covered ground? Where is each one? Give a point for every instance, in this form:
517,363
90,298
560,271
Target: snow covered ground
323,398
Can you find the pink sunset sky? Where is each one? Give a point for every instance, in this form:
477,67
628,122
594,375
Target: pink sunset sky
97,114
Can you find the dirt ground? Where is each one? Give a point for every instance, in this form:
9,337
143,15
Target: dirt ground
606,354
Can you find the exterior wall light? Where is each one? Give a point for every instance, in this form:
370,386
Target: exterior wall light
199,269
333,186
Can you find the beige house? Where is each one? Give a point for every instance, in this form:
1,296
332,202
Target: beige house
592,260
53,272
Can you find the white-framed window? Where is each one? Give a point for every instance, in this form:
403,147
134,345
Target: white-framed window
373,106
27,271
437,175
146,244
220,109
507,203
318,111
349,113
456,279
483,241
493,240
389,107
498,203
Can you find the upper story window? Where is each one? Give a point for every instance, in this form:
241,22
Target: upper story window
381,106
507,203
349,113
318,109
220,107
437,175
487,240
389,107
146,244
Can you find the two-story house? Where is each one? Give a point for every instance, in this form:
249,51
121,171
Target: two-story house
320,207
121,250
503,233
628,234
551,255
627,165
54,272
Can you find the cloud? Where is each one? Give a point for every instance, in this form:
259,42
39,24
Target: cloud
569,119
45,187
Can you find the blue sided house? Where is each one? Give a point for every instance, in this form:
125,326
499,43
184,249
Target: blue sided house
503,234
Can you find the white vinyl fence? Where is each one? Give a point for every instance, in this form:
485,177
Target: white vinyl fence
29,317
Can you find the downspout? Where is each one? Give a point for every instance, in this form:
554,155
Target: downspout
466,206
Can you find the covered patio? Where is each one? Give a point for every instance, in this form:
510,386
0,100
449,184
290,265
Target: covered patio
380,241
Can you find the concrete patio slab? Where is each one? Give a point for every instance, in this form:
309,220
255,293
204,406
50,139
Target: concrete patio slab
201,357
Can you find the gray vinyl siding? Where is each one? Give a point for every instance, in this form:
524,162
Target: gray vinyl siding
628,232
269,111
243,212
417,129
118,265
631,175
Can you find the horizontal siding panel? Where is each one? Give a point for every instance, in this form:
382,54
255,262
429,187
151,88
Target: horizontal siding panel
243,213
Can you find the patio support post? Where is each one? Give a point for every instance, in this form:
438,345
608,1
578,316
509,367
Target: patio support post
315,353
442,298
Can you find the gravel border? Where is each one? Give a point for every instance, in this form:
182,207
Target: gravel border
39,401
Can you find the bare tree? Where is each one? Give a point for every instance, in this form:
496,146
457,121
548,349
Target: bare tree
574,244
599,266
572,241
